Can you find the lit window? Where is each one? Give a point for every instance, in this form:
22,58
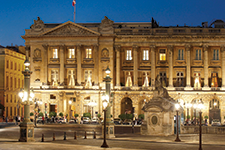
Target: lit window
163,78
214,77
215,54
162,54
180,79
197,81
54,77
128,55
198,54
88,77
145,55
71,53
55,53
88,53
180,54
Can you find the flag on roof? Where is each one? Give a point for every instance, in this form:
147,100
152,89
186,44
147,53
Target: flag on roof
74,2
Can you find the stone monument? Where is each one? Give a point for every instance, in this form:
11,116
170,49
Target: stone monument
159,112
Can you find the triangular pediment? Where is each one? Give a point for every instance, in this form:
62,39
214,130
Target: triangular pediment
70,29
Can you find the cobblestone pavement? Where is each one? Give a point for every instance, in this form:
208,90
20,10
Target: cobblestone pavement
9,140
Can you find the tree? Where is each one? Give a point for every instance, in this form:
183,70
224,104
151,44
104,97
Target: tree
76,115
87,115
61,114
98,115
188,117
141,116
206,117
52,114
31,114
40,114
122,116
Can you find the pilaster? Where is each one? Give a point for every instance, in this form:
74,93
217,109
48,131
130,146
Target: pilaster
206,75
61,79
45,66
135,69
170,49
117,48
188,73
153,47
96,53
222,49
78,64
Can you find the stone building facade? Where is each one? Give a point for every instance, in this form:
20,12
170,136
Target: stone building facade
12,79
68,62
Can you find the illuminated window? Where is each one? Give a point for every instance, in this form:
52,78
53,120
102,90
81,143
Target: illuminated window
198,54
71,77
54,77
214,104
197,80
71,53
214,82
180,54
55,53
88,53
145,55
88,77
215,54
128,55
162,54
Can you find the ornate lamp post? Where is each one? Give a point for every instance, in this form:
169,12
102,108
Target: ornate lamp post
26,127
105,104
200,106
177,110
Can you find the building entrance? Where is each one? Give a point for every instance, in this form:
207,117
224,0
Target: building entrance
126,106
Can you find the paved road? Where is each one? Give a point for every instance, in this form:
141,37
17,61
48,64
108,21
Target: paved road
9,140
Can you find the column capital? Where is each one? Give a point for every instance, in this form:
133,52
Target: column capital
135,47
222,48
78,46
62,47
153,47
205,47
117,48
45,46
187,47
170,47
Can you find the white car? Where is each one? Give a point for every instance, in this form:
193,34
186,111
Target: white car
61,120
94,120
216,122
86,120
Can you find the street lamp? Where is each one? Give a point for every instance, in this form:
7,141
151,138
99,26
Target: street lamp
26,95
200,106
105,104
177,109
92,104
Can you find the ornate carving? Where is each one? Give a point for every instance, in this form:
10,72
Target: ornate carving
135,48
107,25
205,47
37,55
187,47
38,25
70,30
45,46
105,53
170,49
117,48
222,48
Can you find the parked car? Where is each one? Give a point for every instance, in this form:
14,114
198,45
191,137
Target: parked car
73,121
39,120
127,122
117,121
216,122
95,120
86,120
61,120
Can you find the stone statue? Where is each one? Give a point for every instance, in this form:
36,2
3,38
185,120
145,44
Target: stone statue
162,92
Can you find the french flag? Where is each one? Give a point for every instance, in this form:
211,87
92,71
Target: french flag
74,2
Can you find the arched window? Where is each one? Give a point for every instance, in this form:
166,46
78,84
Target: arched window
214,104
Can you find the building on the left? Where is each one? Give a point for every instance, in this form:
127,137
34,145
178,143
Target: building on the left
11,80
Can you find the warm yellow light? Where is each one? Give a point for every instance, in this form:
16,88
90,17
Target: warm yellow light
200,106
214,104
194,105
21,94
177,106
70,102
104,103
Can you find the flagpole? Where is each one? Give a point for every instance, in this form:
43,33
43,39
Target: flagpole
74,13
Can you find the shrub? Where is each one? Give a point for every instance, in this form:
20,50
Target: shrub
188,117
129,116
52,114
40,114
206,117
31,114
141,116
76,115
122,116
87,115
98,115
61,114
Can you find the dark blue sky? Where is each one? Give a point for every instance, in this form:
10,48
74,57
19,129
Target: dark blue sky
18,15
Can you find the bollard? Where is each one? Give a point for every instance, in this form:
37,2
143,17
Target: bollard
94,137
75,135
53,136
64,135
42,139
85,135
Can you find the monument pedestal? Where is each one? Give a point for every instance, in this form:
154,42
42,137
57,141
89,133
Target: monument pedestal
109,130
27,132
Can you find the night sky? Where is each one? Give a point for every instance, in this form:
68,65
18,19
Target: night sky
18,15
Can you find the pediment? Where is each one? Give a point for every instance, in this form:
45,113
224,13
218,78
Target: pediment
70,29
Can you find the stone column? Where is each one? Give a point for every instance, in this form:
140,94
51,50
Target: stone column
96,57
117,48
188,73
45,66
153,47
78,64
135,69
61,79
222,49
170,49
206,71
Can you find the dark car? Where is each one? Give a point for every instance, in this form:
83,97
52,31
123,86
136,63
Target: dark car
127,122
117,121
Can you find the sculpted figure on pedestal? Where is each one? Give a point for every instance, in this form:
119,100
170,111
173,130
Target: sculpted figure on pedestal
162,92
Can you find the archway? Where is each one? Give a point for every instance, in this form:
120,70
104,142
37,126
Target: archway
214,110
126,106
